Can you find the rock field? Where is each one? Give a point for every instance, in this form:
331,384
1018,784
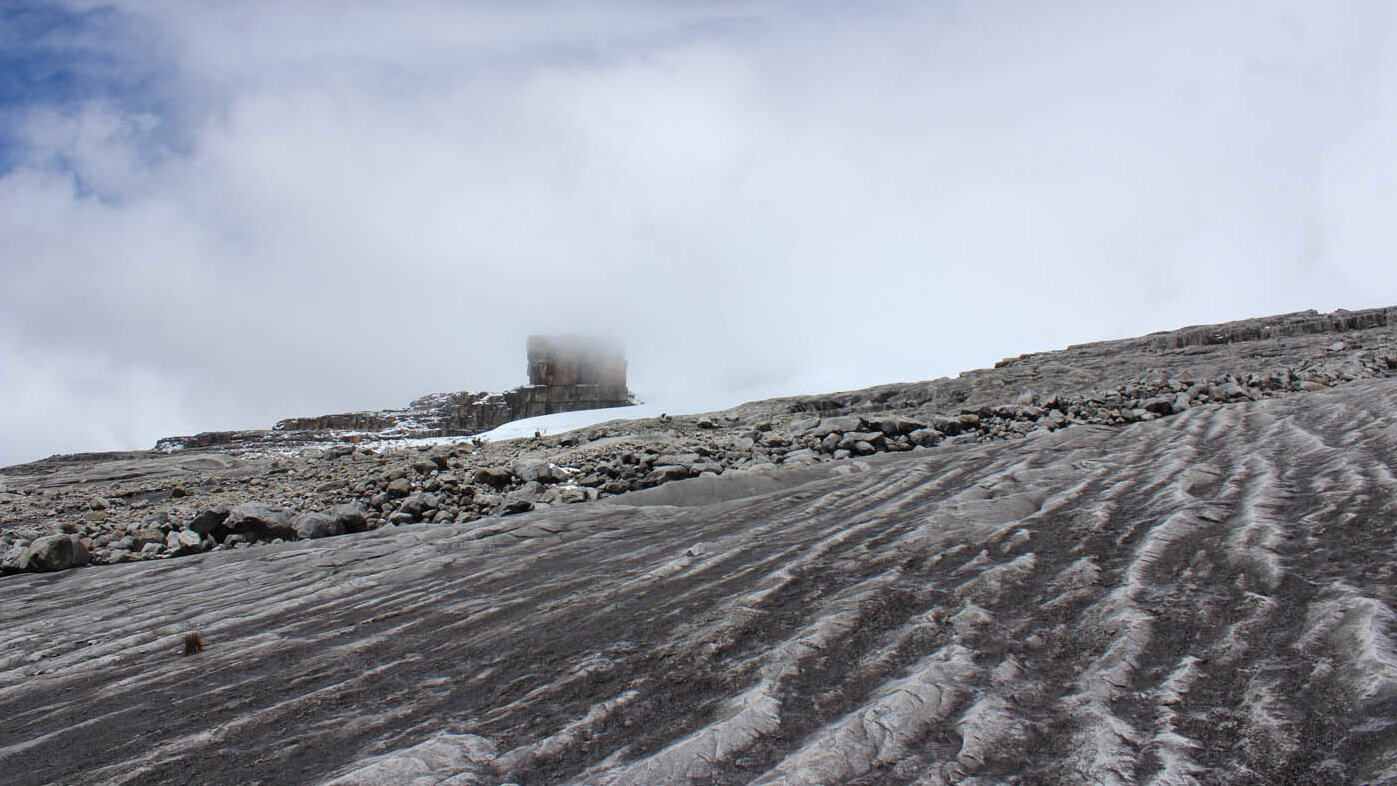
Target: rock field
1158,560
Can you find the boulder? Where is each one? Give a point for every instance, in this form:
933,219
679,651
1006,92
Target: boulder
530,492
534,469
948,426
924,437
400,487
494,477
184,542
209,521
318,525
686,460
1160,405
419,503
256,521
13,557
863,448
53,552
854,437
667,473
352,516
841,425
896,427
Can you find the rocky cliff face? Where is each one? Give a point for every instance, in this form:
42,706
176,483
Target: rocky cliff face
566,374
1126,562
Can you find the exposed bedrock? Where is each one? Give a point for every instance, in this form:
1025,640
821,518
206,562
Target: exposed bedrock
1206,598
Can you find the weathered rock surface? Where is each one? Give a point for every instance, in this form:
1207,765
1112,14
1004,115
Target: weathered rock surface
1199,598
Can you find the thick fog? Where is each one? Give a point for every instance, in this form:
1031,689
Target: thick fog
215,215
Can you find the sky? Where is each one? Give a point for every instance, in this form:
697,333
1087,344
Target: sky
214,215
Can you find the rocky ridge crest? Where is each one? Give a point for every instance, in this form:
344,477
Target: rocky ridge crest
70,511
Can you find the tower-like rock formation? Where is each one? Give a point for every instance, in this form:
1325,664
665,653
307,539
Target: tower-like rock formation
569,373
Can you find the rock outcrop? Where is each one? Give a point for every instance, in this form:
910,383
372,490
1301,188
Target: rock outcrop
566,374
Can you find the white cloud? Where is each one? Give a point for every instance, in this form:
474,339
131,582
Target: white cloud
348,205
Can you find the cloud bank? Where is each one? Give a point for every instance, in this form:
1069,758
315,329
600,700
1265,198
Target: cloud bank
216,215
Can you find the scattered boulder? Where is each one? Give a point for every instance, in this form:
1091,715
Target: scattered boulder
209,521
352,516
494,477
840,425
925,437
318,525
419,503
534,470
184,542
666,473
53,552
896,426
256,522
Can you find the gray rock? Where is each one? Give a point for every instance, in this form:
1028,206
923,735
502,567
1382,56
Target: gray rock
948,426
209,520
863,448
534,470
53,552
13,558
896,427
531,492
854,437
925,437
318,525
184,542
686,460
1160,405
667,473
401,487
494,477
352,516
573,494
840,425
256,522
419,503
